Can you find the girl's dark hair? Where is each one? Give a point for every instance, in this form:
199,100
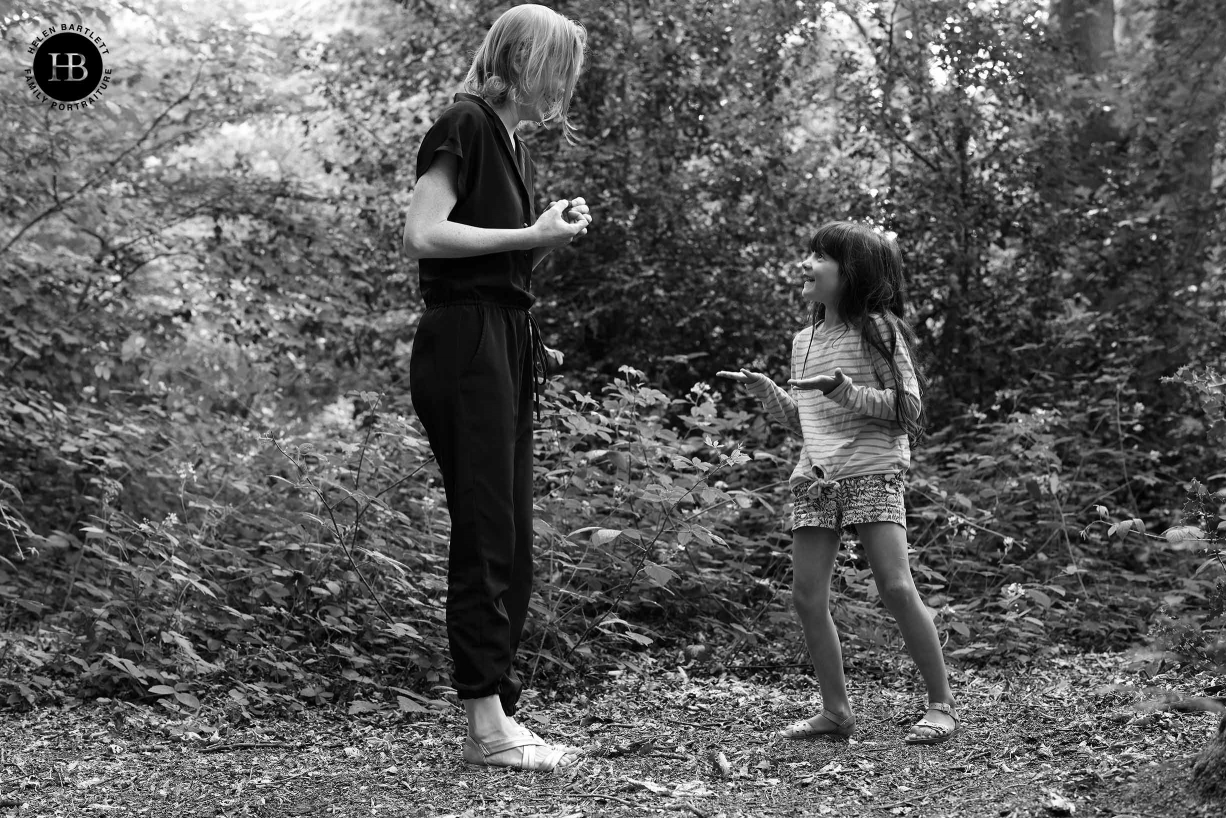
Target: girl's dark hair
870,271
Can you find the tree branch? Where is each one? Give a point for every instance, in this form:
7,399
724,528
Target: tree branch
105,172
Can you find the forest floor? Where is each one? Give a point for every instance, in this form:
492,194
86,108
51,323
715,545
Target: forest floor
1078,735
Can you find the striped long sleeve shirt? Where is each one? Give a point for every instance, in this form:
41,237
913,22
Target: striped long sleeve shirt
853,431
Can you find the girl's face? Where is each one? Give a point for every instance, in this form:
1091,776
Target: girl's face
821,279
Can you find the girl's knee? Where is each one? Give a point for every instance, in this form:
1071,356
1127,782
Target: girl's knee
810,597
897,593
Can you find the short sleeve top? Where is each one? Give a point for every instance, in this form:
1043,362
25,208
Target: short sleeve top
495,185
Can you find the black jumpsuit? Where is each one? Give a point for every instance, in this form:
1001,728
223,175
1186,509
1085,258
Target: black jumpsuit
471,376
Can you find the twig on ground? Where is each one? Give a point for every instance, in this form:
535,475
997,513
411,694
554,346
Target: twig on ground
148,748
602,796
919,795
593,721
281,780
708,725
250,745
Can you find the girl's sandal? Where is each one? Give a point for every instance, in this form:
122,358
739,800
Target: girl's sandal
940,732
806,731
531,758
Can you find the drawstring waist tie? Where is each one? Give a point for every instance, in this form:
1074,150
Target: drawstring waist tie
540,362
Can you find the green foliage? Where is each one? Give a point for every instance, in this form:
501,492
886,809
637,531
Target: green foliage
630,515
1189,624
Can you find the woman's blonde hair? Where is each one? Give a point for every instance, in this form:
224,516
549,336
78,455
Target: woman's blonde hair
531,54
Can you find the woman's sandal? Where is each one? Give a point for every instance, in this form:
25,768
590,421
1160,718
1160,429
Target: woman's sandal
940,731
547,760
805,730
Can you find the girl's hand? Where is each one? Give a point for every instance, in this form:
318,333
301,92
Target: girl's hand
553,230
745,376
825,383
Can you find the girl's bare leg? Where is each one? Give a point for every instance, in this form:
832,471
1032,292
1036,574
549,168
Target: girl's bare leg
886,546
813,554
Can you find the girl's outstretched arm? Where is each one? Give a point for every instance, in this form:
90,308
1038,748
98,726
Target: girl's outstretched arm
893,376
875,403
429,233
865,400
778,403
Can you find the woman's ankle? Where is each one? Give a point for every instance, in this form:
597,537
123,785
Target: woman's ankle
485,716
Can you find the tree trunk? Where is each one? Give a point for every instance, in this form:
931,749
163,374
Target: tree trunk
1209,770
1088,30
1187,95
1180,102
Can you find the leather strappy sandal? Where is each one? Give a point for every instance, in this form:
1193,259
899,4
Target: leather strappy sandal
940,731
532,758
806,731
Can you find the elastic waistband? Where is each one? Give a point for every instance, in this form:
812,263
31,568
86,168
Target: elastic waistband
476,302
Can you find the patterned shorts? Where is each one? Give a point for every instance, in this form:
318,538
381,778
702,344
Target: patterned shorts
873,498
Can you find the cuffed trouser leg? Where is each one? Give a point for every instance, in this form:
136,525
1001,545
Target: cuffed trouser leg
471,381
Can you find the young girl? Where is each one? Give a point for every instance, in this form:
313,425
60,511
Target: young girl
857,401
473,225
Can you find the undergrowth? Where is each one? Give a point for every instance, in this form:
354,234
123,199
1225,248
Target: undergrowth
276,569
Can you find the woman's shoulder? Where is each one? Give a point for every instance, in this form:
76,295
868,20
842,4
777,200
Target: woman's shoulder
464,111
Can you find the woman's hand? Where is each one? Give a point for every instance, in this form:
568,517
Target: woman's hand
747,377
553,229
577,211
825,383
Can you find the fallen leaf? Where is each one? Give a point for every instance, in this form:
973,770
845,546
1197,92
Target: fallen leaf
692,789
1059,805
651,786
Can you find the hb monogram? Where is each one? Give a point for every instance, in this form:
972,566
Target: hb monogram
68,70
71,65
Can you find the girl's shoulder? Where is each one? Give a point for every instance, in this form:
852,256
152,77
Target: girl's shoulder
882,320
888,325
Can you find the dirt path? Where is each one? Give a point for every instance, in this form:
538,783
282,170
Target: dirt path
1038,741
